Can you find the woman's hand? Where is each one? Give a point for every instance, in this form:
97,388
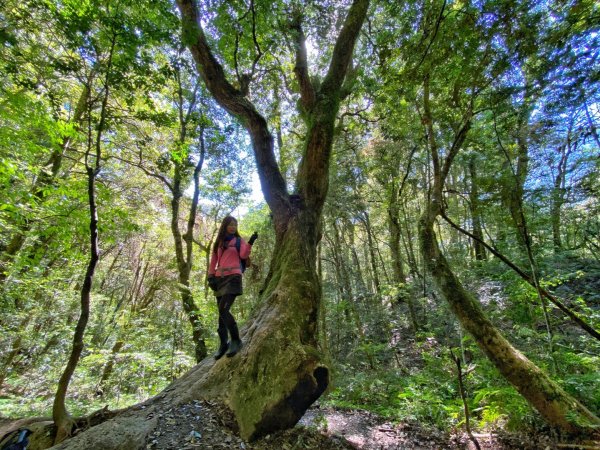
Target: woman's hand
212,283
253,238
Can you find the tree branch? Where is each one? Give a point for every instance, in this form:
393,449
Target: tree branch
435,32
233,101
307,91
349,81
146,171
312,181
193,102
259,52
459,140
203,247
578,320
344,47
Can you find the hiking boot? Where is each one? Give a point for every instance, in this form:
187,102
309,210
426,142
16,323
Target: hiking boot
234,347
222,349
224,345
236,343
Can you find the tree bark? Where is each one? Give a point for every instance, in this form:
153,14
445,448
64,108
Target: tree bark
394,241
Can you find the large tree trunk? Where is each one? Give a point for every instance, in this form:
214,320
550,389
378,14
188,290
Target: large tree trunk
280,373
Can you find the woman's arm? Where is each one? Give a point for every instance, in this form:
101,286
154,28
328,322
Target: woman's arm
213,264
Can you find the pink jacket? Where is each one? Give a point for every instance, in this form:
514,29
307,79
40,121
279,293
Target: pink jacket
227,261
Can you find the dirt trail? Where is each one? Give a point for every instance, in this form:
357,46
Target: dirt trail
200,425
203,425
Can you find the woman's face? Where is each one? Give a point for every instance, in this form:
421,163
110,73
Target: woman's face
232,227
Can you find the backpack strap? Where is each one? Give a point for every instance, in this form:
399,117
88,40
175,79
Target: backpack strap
238,246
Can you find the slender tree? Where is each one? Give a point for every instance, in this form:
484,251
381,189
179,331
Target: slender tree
60,415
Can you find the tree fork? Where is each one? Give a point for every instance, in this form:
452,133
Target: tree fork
278,373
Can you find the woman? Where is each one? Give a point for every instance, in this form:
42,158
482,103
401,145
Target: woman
225,278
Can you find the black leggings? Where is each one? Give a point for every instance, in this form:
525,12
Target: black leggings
226,320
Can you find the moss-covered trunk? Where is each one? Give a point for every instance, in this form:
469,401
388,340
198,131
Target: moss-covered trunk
556,406
279,372
276,376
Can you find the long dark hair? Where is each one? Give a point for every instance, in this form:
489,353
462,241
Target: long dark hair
220,241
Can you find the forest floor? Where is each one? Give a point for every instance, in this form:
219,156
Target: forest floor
200,425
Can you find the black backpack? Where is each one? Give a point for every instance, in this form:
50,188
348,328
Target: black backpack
243,262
